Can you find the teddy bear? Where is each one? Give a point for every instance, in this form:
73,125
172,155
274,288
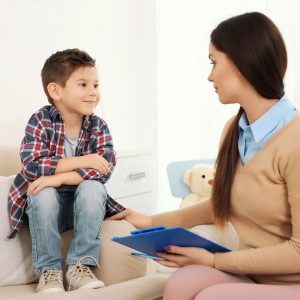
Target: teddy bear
200,179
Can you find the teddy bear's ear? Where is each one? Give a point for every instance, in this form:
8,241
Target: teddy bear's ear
187,177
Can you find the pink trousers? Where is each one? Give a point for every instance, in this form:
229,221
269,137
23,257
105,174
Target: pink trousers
197,282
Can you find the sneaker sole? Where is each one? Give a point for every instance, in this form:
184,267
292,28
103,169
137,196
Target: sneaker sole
52,290
92,285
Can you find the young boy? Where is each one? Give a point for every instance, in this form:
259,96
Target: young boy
67,156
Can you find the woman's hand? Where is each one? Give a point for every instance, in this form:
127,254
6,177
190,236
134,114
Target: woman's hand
183,256
135,218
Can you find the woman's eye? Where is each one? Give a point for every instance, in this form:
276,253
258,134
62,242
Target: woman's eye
83,84
96,86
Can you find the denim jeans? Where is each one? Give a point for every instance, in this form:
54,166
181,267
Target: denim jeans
55,210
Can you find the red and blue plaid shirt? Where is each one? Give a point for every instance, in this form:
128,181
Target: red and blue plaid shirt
43,146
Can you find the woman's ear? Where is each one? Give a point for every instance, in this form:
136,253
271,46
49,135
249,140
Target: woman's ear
54,91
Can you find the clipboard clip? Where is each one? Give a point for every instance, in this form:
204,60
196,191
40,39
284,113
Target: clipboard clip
146,230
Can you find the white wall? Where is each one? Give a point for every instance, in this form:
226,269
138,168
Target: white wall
190,117
286,14
152,58
120,34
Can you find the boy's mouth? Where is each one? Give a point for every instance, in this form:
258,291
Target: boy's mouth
90,102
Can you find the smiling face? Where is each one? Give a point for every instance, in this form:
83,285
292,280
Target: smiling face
80,95
228,82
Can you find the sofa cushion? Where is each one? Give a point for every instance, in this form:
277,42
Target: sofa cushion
15,258
148,287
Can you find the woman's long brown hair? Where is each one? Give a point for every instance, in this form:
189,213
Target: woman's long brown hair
225,169
255,45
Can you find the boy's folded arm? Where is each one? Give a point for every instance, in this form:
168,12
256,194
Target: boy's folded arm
104,156
35,166
70,178
90,161
90,167
69,164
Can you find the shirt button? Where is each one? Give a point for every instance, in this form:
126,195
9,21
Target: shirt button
61,138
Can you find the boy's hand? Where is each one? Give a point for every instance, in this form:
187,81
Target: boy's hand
97,162
135,218
43,182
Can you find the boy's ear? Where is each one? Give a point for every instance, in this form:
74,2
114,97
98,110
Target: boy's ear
54,91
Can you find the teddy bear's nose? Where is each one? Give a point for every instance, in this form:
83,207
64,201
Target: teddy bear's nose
211,181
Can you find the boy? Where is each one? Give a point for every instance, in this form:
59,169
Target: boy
67,156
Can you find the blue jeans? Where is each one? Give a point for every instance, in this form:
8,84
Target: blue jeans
55,210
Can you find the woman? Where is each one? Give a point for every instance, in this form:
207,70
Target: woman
257,180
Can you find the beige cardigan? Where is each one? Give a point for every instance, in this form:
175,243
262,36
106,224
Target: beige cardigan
265,212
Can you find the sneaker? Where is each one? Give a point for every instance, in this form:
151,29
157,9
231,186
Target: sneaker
51,281
80,276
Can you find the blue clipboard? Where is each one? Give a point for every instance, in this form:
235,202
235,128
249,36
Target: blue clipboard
152,240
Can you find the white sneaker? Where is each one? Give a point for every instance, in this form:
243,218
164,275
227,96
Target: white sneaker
80,276
51,281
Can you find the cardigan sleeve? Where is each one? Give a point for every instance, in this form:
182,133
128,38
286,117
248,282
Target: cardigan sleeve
276,259
187,217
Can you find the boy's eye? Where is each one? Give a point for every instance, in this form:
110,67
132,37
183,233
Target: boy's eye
96,86
83,84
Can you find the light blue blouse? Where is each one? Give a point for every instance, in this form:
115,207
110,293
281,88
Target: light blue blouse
253,137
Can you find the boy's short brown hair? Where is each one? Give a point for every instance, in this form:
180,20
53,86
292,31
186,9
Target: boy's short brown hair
60,65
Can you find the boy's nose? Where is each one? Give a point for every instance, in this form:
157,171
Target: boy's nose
94,92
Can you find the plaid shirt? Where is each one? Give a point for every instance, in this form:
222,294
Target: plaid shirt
43,146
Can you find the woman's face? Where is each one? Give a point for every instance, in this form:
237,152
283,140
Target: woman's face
228,81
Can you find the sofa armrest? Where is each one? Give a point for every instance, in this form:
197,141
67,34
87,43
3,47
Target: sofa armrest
10,162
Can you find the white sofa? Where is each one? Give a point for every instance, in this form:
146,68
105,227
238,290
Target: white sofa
126,277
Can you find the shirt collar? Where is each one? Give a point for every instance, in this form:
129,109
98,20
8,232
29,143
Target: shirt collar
54,112
268,121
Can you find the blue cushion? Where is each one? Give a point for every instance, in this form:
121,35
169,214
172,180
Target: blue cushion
176,170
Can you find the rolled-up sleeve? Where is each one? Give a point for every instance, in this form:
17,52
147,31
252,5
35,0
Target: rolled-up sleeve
35,152
102,144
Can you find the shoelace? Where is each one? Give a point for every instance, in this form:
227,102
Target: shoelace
50,275
80,270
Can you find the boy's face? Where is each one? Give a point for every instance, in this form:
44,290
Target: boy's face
80,95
